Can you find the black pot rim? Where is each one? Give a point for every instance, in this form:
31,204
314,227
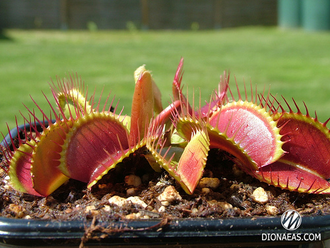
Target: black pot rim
230,231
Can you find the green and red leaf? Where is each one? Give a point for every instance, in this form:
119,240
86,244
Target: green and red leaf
186,164
192,162
306,162
252,129
20,170
146,101
45,171
94,145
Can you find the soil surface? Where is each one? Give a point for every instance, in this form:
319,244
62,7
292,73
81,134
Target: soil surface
134,191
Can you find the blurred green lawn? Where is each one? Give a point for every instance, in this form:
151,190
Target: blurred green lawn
293,63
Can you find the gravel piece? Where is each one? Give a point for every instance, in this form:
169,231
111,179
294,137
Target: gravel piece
169,195
260,195
207,182
133,180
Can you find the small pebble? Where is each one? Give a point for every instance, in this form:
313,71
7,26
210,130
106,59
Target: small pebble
104,185
107,208
117,200
133,216
91,210
225,205
131,191
17,210
68,211
136,200
208,182
259,195
162,209
206,191
169,195
194,211
120,201
271,210
133,180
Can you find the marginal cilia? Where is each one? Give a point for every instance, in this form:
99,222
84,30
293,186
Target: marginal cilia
84,141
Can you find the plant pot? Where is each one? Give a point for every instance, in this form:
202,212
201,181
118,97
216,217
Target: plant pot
178,233
199,232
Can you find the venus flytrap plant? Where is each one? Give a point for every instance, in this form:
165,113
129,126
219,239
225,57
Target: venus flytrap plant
86,141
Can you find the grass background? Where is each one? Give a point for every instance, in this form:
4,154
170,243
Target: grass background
294,63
